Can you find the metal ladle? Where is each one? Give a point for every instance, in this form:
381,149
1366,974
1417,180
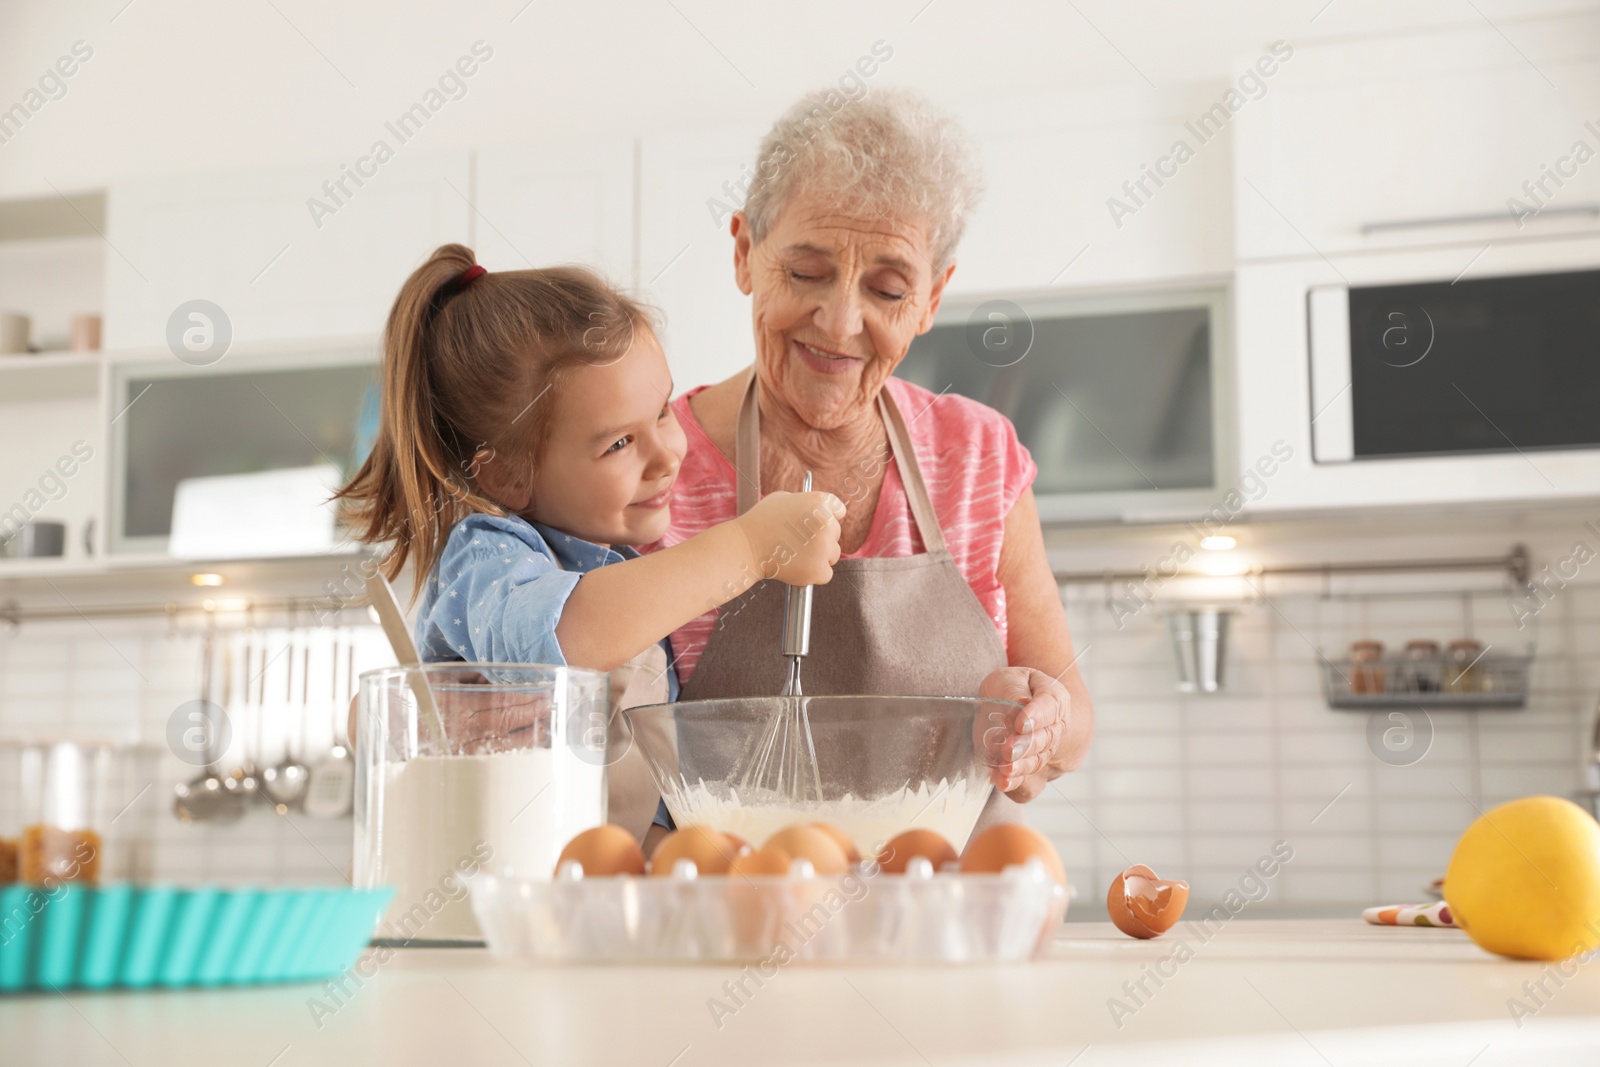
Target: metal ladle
285,784
329,794
206,797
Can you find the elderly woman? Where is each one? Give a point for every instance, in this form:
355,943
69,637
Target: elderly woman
845,245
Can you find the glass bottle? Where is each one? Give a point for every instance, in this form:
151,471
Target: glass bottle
1422,671
1367,672
1464,671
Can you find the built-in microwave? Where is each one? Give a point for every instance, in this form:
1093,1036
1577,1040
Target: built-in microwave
1507,364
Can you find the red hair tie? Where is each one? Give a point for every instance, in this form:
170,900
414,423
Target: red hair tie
471,274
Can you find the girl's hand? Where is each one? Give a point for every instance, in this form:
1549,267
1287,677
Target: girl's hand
1020,746
794,537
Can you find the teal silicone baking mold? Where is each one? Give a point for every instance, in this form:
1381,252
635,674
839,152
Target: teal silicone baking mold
134,936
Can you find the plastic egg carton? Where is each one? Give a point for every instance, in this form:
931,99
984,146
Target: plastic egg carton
865,916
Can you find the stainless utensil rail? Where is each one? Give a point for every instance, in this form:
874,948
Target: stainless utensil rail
324,607
1517,564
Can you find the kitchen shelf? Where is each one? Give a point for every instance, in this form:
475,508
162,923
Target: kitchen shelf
48,375
40,590
1500,683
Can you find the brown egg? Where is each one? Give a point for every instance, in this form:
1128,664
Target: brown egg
902,848
1010,844
710,850
756,906
809,843
604,851
766,861
1144,906
842,839
739,844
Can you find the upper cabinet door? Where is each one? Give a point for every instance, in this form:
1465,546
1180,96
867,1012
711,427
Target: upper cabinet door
299,251
690,185
1456,137
557,202
1074,196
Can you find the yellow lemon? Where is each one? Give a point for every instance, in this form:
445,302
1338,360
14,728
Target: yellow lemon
1525,879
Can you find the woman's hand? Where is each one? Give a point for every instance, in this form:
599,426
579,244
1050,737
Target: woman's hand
1020,746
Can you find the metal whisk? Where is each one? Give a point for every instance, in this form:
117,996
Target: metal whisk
785,760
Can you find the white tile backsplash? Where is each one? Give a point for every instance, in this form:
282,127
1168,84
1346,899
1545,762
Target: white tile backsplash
123,680
1263,760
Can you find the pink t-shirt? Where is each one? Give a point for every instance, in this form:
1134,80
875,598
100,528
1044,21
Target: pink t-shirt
974,467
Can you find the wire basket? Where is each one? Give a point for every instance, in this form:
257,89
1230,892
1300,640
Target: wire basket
1499,681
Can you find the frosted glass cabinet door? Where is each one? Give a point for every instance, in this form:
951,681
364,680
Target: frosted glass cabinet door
1118,400
271,408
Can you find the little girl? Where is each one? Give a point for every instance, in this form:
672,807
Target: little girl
526,441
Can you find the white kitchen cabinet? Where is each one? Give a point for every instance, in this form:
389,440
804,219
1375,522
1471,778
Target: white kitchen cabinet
1274,389
1442,129
1053,165
686,252
552,202
256,244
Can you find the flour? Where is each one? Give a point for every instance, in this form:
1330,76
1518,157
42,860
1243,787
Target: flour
442,816
950,810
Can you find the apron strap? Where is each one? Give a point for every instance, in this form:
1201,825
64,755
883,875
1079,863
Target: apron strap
747,461
747,446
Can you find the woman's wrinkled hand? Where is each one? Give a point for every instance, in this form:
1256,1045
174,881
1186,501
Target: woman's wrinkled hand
1019,744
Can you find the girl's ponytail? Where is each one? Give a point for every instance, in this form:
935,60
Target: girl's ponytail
467,357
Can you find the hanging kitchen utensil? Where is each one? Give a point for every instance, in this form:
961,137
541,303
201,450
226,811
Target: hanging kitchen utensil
330,789
284,784
246,778
206,797
785,761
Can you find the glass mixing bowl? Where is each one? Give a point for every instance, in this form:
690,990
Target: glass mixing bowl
885,764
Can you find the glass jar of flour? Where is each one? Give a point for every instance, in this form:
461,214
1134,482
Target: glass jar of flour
464,767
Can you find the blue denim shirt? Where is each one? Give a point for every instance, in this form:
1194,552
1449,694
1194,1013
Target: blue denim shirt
498,590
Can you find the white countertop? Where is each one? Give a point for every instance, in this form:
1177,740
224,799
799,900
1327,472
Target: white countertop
1266,991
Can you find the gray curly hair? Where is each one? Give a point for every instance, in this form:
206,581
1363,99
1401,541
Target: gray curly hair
888,153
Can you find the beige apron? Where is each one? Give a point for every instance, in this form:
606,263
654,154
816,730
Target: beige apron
631,794
908,625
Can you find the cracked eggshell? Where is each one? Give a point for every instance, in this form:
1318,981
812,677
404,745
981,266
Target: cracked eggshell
1144,906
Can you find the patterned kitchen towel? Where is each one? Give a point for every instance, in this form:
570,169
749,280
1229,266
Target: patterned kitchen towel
1435,914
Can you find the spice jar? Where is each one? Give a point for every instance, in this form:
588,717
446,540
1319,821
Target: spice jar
75,811
1367,672
1464,671
1422,672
